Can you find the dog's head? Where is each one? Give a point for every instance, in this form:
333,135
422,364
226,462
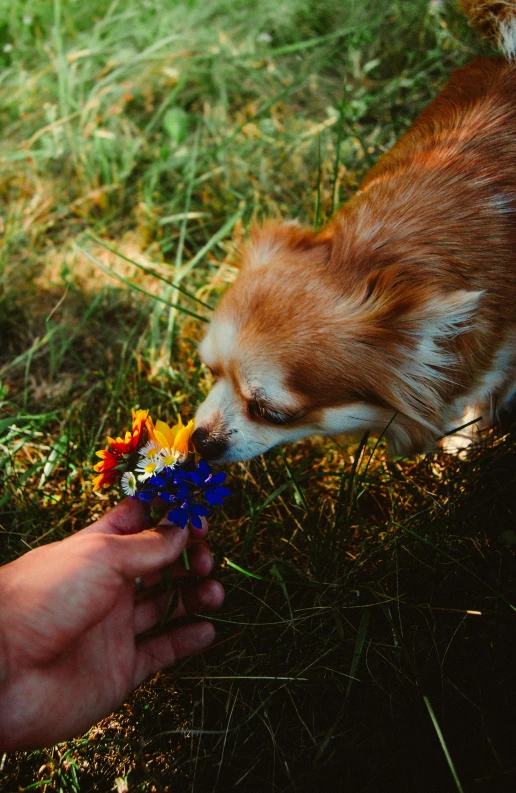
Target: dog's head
297,348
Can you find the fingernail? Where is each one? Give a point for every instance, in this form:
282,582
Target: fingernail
204,526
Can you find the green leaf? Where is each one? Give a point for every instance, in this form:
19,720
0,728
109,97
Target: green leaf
175,124
243,570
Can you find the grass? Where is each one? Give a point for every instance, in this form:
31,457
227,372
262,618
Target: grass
367,641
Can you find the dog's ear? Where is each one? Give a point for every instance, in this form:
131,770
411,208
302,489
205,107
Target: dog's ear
417,325
397,300
281,240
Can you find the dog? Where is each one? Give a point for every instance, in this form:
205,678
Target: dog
400,313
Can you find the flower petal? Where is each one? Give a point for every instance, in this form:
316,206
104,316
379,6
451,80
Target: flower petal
204,468
182,492
222,491
182,440
195,521
97,481
179,516
165,434
199,509
146,496
156,481
169,497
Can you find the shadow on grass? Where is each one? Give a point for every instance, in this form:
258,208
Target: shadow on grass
367,603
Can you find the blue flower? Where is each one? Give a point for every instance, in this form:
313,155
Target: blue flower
179,486
188,511
153,487
209,483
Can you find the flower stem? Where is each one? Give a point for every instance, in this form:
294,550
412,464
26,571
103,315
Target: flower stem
186,561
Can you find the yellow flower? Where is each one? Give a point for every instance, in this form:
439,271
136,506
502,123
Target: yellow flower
182,441
175,439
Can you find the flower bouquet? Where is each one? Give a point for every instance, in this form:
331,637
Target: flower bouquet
156,462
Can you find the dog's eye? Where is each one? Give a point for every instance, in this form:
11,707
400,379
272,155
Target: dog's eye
257,410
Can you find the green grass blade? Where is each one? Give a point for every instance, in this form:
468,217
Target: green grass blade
363,626
340,133
462,427
318,187
192,164
347,484
136,288
248,573
375,447
61,64
295,483
217,237
443,745
288,49
148,270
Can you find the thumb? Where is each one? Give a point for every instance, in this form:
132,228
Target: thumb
128,517
137,555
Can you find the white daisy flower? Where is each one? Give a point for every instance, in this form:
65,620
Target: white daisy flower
169,457
151,450
148,468
128,483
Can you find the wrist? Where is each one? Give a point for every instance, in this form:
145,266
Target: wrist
15,715
4,687
4,665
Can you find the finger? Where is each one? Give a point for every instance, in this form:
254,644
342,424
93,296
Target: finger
197,534
128,517
200,560
147,552
159,651
205,596
147,581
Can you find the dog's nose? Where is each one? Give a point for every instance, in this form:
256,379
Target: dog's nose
208,447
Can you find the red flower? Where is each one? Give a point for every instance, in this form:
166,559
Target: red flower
113,458
108,468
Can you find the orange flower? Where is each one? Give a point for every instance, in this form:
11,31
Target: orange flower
139,423
131,441
107,468
110,468
122,445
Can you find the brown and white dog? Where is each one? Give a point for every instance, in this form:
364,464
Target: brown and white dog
401,312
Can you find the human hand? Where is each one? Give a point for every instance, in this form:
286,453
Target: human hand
70,651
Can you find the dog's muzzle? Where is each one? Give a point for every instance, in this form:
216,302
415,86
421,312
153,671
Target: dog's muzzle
208,446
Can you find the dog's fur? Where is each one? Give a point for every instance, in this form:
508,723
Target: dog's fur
401,312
